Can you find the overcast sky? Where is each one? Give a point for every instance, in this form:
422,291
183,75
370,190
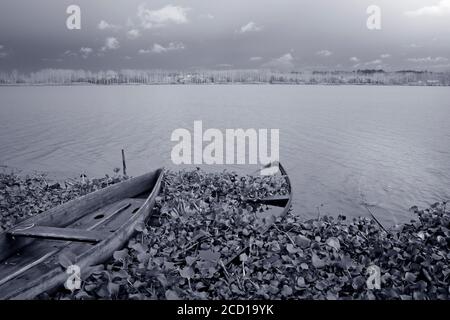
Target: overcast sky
216,34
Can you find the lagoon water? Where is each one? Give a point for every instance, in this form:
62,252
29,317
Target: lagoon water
343,146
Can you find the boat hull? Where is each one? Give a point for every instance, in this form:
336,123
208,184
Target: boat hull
115,211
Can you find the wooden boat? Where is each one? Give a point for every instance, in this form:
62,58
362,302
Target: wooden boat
275,206
88,229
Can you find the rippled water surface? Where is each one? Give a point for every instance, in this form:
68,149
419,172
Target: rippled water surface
343,146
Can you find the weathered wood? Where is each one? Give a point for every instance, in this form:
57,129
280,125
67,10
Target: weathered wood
43,277
71,211
60,234
276,200
26,267
31,255
124,164
270,215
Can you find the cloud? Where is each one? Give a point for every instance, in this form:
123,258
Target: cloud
69,53
324,53
373,62
111,43
157,48
130,23
440,66
250,27
285,62
85,52
427,60
377,63
385,56
224,65
103,25
52,59
439,10
159,18
208,16
144,51
133,34
255,58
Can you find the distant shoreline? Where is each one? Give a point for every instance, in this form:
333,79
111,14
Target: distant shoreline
81,84
226,77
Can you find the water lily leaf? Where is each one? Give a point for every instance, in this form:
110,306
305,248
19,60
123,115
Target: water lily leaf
359,282
302,241
286,291
304,266
317,262
121,275
300,281
190,260
209,255
162,279
334,243
171,295
143,257
320,285
275,246
113,289
83,295
120,255
187,272
410,277
90,286
138,247
290,248
169,265
138,284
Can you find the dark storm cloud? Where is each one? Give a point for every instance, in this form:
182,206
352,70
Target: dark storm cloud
181,34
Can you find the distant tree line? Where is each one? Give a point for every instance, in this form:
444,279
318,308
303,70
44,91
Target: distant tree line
128,76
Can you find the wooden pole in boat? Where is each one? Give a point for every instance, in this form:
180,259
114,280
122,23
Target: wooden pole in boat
124,165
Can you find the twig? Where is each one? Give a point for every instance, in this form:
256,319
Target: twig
288,236
227,275
376,220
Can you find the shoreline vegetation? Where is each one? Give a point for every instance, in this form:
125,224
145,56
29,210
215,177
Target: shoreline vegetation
158,77
182,252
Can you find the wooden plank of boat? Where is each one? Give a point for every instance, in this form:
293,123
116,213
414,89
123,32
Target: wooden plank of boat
267,217
60,234
29,264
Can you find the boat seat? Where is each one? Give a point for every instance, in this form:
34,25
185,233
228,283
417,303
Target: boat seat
59,234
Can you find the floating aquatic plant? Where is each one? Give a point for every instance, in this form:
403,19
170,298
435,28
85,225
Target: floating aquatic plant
204,219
